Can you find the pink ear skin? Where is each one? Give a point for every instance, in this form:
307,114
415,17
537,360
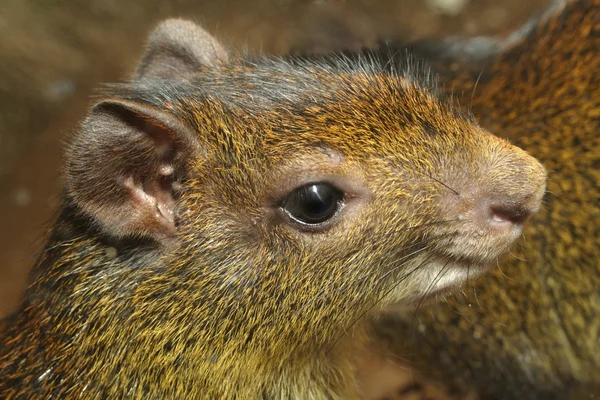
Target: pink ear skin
124,166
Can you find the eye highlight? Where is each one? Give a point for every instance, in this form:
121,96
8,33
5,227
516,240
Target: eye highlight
313,204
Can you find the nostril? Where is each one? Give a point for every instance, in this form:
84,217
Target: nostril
516,214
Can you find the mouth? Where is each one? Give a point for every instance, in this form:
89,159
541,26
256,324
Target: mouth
473,247
446,273
450,261
435,275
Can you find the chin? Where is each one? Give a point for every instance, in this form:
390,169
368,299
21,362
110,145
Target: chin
433,279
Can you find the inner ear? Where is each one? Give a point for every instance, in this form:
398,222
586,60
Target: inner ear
155,194
125,168
150,184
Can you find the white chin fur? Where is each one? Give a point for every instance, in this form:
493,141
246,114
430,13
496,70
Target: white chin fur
433,277
441,275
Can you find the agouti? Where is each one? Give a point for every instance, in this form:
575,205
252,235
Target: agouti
226,224
531,329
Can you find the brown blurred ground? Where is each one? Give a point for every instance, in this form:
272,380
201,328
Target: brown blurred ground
54,53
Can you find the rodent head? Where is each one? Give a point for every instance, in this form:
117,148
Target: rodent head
284,200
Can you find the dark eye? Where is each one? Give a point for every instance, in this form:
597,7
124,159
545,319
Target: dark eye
313,204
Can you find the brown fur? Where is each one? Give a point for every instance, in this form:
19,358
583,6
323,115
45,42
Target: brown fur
530,329
172,271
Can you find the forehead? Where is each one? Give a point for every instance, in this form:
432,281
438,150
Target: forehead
275,84
338,103
346,97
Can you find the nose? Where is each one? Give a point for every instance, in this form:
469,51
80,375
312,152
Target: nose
492,196
510,196
498,213
512,211
509,213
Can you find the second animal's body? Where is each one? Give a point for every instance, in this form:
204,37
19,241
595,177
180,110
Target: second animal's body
530,329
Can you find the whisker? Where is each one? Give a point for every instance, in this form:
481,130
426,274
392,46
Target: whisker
370,273
385,293
476,297
501,271
440,222
427,291
438,181
394,256
402,261
441,183
468,272
515,256
435,281
475,88
425,242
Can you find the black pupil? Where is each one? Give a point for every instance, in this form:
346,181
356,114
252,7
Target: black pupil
314,203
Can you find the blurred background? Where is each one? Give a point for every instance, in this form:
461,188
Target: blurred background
54,53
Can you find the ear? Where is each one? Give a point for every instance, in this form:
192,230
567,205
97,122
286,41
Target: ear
177,49
124,167
125,163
